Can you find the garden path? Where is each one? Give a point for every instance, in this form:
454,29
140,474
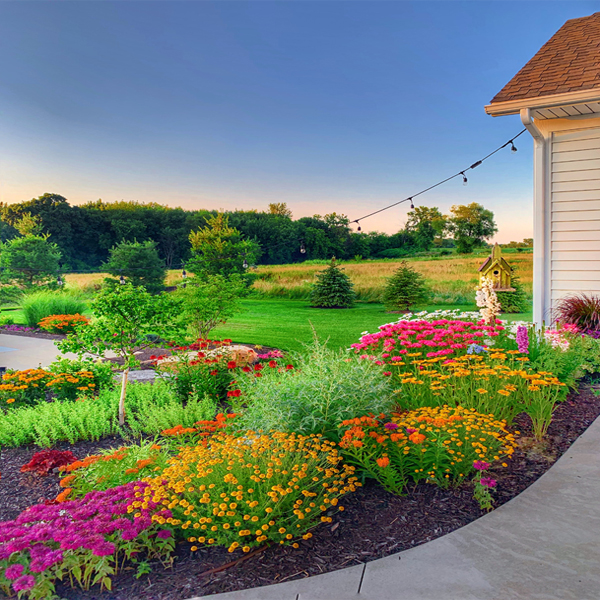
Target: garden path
542,545
21,352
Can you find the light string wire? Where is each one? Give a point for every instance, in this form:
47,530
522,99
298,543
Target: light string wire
460,173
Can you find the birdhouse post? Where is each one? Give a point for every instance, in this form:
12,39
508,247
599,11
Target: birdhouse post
497,270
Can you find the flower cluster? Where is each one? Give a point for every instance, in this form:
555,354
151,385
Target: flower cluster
63,323
522,338
437,338
439,445
491,383
241,491
87,535
111,469
486,299
44,461
557,338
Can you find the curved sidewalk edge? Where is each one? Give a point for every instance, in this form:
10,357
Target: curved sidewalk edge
542,545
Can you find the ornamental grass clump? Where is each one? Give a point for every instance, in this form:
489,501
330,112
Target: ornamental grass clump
581,310
494,383
439,445
242,491
323,389
84,542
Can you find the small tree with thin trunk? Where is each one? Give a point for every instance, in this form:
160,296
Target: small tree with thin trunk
127,320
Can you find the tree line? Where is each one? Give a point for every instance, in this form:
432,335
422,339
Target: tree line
85,234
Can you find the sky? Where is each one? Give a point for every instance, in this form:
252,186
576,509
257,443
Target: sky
332,106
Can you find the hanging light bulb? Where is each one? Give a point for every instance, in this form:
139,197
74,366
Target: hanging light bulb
359,227
245,265
513,148
122,280
465,180
412,206
302,248
183,274
59,280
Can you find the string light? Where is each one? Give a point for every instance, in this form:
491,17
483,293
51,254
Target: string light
59,280
359,227
302,248
122,280
458,174
245,265
412,206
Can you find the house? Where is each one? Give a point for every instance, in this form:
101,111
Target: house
496,268
557,94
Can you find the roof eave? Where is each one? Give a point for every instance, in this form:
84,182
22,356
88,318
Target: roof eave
513,107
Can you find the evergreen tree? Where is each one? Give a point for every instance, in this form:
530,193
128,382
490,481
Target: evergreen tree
333,288
405,288
517,301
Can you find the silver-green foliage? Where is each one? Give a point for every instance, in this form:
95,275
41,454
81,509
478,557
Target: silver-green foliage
325,388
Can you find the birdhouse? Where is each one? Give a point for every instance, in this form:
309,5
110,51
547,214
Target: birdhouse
498,270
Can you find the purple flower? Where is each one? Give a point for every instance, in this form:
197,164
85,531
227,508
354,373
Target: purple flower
24,583
522,339
163,534
410,430
14,571
481,465
391,426
488,482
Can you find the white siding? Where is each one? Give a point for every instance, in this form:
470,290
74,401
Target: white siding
575,212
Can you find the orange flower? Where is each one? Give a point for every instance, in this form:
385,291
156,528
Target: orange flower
384,461
63,495
65,482
357,443
416,437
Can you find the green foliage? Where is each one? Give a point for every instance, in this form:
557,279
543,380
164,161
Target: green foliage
151,408
102,370
209,301
40,305
427,224
405,289
333,288
471,226
139,263
155,407
219,249
30,261
326,388
517,301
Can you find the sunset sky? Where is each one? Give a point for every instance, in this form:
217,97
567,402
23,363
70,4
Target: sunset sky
328,106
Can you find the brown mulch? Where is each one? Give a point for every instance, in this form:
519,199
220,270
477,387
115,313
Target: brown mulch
374,524
37,333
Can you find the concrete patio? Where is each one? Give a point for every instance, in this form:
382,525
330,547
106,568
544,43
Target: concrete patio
542,545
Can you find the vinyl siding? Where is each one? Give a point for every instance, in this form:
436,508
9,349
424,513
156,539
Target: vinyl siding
575,213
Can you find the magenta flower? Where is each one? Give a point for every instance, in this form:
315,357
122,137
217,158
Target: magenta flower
410,430
391,426
522,339
163,534
14,571
488,482
481,465
24,583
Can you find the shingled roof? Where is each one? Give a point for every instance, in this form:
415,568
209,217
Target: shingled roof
569,61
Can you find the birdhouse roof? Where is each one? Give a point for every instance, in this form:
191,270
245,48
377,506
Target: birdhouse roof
490,262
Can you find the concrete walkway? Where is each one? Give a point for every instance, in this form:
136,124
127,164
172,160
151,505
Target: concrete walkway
19,352
542,545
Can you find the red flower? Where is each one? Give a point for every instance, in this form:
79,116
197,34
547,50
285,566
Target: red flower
231,364
215,372
258,367
272,364
386,373
289,367
246,369
257,374
234,393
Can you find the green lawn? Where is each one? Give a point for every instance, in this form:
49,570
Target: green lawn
286,324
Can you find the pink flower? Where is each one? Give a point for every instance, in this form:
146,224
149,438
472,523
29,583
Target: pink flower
481,465
14,571
387,373
488,482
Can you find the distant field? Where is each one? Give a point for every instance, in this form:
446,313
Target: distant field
451,279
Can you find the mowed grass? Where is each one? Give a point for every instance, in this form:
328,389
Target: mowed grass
288,324
452,280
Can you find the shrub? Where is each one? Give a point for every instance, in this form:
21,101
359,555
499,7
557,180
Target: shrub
62,323
582,310
405,289
517,301
326,388
44,461
333,288
39,305
84,540
102,376
112,468
439,445
252,489
139,263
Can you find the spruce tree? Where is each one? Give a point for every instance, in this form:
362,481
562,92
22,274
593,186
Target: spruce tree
517,301
405,288
333,288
